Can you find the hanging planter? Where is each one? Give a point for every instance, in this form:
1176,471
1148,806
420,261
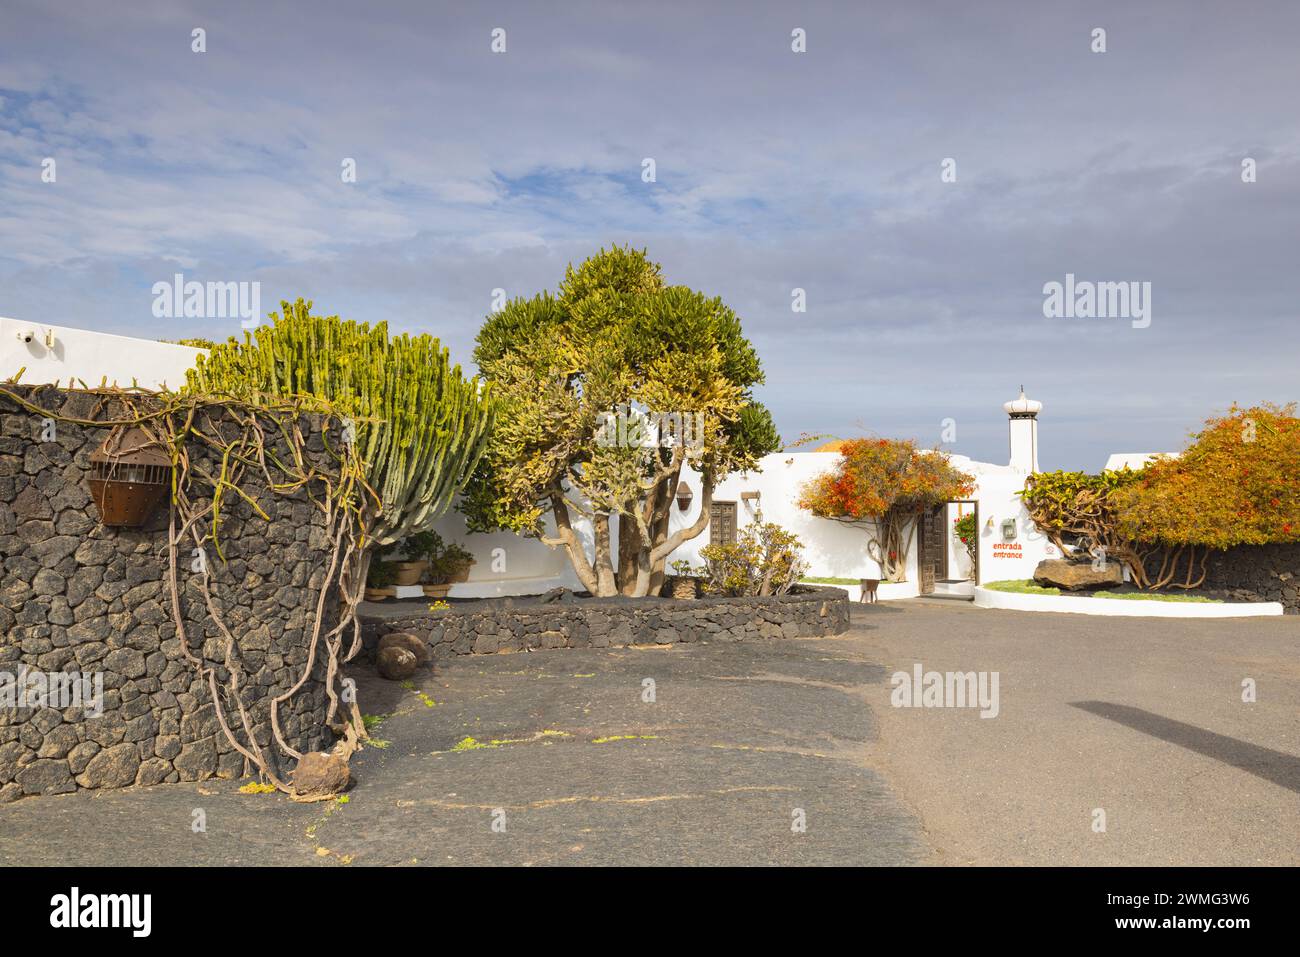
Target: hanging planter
129,476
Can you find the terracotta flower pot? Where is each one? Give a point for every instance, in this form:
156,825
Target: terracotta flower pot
436,591
461,574
684,587
409,573
379,594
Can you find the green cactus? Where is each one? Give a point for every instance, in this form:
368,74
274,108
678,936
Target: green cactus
420,425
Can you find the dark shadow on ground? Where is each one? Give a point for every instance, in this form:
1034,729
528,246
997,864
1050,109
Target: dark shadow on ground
1277,767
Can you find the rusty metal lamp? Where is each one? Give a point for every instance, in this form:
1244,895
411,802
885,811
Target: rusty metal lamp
684,496
129,475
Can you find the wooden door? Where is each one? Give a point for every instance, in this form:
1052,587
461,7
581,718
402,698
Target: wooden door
932,548
722,523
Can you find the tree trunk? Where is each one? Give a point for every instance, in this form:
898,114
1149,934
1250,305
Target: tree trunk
566,536
606,584
665,494
629,547
657,554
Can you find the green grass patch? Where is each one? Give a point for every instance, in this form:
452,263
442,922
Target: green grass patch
1158,597
831,581
1021,586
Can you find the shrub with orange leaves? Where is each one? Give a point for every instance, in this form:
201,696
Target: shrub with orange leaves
1238,483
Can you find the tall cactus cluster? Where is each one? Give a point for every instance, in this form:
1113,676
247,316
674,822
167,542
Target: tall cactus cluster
420,425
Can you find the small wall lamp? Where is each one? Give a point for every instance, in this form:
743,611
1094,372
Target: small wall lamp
129,475
684,496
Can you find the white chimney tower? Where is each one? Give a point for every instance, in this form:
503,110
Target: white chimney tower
1024,432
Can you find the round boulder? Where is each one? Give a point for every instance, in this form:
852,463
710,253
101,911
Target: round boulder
319,776
396,664
412,643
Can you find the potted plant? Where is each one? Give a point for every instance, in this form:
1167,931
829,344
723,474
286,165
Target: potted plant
964,530
379,580
683,583
445,563
413,567
456,563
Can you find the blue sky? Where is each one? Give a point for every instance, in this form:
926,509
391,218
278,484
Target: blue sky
775,170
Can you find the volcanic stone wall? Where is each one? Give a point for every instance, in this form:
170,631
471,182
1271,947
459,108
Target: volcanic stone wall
77,598
1257,573
509,625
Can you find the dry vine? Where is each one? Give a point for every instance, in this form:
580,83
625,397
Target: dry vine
174,423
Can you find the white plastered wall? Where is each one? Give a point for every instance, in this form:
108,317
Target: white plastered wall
49,354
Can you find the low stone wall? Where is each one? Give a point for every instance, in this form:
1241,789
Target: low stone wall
499,626
1256,573
77,598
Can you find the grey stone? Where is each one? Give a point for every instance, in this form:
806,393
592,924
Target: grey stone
114,767
11,754
125,661
196,761
1078,576
152,771
45,776
58,742
80,756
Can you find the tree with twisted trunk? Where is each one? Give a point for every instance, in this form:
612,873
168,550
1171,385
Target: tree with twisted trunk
606,392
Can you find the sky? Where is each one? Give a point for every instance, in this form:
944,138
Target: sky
775,170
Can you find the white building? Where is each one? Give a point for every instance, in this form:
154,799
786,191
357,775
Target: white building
1135,460
1009,544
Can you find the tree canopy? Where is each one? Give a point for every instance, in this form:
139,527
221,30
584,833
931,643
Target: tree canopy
607,390
1237,483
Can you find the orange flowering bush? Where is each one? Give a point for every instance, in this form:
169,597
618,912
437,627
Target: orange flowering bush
1238,483
883,485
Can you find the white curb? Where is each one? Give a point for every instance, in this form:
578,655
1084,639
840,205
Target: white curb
1132,608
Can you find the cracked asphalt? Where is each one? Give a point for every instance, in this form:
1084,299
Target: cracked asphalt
568,765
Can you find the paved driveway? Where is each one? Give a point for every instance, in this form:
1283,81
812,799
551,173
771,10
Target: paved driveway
741,743
1141,718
